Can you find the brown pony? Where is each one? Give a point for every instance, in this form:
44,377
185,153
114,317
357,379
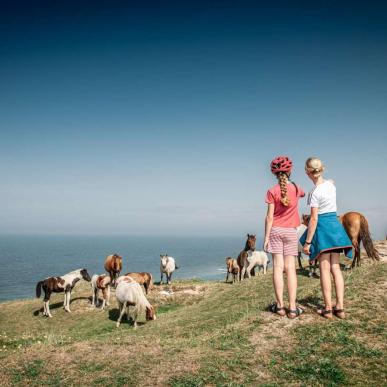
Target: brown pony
356,226
232,268
250,245
113,265
142,279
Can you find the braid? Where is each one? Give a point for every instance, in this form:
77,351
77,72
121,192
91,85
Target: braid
283,182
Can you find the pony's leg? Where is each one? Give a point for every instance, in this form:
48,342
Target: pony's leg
48,309
227,276
243,271
161,280
169,277
108,295
299,260
67,298
265,268
122,312
248,270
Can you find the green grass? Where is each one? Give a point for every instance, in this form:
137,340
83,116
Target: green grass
220,337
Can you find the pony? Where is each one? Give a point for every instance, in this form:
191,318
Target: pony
100,282
113,265
143,278
232,268
167,266
253,259
64,283
131,294
356,226
241,260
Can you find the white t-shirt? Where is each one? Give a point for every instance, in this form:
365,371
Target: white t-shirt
323,197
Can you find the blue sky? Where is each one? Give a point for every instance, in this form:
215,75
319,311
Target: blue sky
162,118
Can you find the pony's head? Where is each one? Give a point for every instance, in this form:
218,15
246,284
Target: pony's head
85,275
150,313
164,259
305,219
250,242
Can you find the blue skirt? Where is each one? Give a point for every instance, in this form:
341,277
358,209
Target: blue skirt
329,235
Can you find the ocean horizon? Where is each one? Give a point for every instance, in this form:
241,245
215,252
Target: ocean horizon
27,259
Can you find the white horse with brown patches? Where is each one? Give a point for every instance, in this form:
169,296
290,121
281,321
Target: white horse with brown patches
64,283
131,294
253,259
100,282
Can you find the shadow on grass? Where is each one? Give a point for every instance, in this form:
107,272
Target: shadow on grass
59,305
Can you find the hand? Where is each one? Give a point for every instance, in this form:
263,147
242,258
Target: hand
306,249
266,245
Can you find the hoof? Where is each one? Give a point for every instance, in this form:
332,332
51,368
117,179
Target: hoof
117,325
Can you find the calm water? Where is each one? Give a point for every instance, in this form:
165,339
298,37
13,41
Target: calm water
27,259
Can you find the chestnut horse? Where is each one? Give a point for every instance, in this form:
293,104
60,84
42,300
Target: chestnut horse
242,257
113,265
356,226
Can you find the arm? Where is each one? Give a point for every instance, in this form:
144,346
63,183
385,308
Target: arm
268,224
311,229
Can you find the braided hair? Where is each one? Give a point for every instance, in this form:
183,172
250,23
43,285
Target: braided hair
283,179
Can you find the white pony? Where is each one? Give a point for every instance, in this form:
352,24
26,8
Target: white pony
131,294
254,258
64,283
167,266
100,282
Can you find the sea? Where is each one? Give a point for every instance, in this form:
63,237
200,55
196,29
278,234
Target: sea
25,260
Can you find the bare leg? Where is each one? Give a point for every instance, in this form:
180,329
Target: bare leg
278,279
325,279
338,280
290,269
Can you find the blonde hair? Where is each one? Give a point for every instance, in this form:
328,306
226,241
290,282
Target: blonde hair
283,182
314,166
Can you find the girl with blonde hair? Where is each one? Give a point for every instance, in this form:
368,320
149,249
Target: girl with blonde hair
325,237
281,239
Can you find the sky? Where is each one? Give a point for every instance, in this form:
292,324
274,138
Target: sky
162,117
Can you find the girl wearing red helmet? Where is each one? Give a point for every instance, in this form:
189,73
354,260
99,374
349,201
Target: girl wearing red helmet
281,240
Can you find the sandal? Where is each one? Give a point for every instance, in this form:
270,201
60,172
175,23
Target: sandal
326,313
339,313
274,308
293,313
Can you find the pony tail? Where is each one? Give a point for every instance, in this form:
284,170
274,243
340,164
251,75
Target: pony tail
365,237
283,182
39,289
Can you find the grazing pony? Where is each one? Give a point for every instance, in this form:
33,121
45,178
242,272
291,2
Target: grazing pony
100,282
253,259
167,266
131,294
356,226
113,265
65,284
250,245
232,268
143,278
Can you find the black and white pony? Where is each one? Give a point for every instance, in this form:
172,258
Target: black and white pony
64,283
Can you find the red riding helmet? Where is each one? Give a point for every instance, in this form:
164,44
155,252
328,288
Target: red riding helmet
281,164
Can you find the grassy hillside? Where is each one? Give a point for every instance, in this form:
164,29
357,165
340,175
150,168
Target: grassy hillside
209,334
